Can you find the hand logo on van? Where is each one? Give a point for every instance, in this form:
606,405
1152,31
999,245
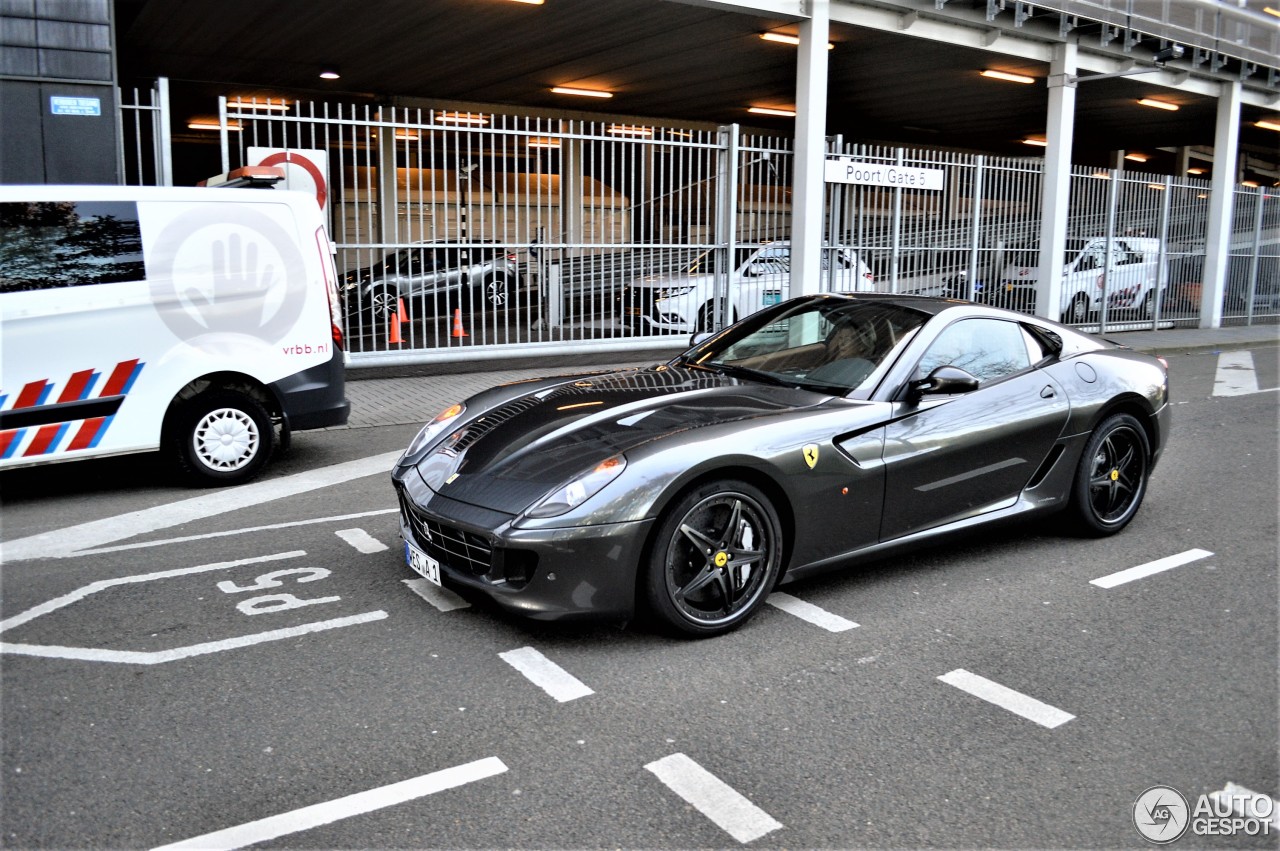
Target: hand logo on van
227,269
239,291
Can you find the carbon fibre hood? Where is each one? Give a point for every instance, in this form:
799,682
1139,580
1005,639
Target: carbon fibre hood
515,453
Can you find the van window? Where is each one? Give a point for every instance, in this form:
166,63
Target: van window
68,243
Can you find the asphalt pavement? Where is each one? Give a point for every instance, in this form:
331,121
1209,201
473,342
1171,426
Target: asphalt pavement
385,396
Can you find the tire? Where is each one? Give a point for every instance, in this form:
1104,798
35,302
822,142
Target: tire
707,318
381,303
1078,311
221,437
1111,477
716,555
1148,309
494,294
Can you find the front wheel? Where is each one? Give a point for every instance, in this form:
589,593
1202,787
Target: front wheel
222,437
716,556
1078,312
1111,478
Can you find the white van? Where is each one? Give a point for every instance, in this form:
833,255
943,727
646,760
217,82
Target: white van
199,322
1128,283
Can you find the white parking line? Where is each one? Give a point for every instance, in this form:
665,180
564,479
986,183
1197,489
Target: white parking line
1247,803
328,812
545,674
157,657
1236,375
361,540
712,797
1151,567
1006,698
442,598
68,542
809,612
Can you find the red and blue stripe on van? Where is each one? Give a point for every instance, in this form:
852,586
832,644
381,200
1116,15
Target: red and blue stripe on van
52,421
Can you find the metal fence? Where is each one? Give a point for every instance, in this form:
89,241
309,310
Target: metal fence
476,235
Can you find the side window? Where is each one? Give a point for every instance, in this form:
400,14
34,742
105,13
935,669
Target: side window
987,349
44,245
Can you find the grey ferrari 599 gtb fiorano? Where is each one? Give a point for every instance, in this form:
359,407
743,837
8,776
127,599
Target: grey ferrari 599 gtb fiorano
813,434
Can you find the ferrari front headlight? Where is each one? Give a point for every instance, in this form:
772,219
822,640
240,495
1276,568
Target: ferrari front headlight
432,430
580,489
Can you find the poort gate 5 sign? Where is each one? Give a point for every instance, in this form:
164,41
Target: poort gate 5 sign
849,170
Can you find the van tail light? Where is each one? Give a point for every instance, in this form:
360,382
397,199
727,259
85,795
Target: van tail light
511,255
330,287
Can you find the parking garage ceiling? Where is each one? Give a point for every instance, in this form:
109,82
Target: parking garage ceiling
662,60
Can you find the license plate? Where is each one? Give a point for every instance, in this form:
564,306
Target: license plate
772,298
421,563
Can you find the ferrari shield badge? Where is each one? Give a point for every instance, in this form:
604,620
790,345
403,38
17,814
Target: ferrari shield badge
810,452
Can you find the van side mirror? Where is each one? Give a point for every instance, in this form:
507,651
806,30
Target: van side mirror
943,381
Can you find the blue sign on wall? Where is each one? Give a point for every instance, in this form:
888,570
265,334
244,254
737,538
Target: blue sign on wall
63,105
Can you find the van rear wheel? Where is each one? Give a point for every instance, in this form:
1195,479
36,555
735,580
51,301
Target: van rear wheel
222,437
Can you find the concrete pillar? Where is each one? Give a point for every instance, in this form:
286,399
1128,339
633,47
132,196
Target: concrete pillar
1217,244
1059,131
811,121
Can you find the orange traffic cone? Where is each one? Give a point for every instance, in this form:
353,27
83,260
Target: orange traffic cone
458,330
393,325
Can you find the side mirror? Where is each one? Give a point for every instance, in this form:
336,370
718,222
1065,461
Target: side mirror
944,380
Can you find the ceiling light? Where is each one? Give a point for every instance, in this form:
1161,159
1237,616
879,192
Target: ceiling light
1005,75
1137,158
407,134
329,72
1271,11
1159,186
628,130
538,142
768,110
1196,170
529,2
782,38
586,93
1252,184
461,118
1039,143
1268,125
1159,104
211,124
263,105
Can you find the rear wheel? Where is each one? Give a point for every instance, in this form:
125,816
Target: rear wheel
1111,478
221,437
716,556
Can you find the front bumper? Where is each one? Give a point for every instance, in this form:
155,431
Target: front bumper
543,574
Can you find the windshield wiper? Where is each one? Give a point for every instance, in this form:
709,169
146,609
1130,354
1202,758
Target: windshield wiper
747,373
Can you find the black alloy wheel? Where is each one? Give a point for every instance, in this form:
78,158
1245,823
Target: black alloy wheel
716,556
1111,478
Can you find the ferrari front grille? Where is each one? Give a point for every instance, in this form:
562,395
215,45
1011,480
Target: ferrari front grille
453,547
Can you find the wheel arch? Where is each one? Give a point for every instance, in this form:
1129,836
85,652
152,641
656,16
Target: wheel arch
754,476
234,381
1137,407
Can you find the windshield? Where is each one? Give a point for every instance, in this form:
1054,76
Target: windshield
1029,255
705,263
837,346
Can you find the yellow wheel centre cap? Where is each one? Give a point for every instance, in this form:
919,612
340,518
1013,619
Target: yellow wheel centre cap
1115,475
721,559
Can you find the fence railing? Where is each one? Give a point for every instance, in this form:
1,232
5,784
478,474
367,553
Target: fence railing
473,235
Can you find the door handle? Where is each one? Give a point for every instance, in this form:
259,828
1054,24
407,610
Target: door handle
1047,392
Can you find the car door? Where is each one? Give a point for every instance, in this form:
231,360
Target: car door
951,457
